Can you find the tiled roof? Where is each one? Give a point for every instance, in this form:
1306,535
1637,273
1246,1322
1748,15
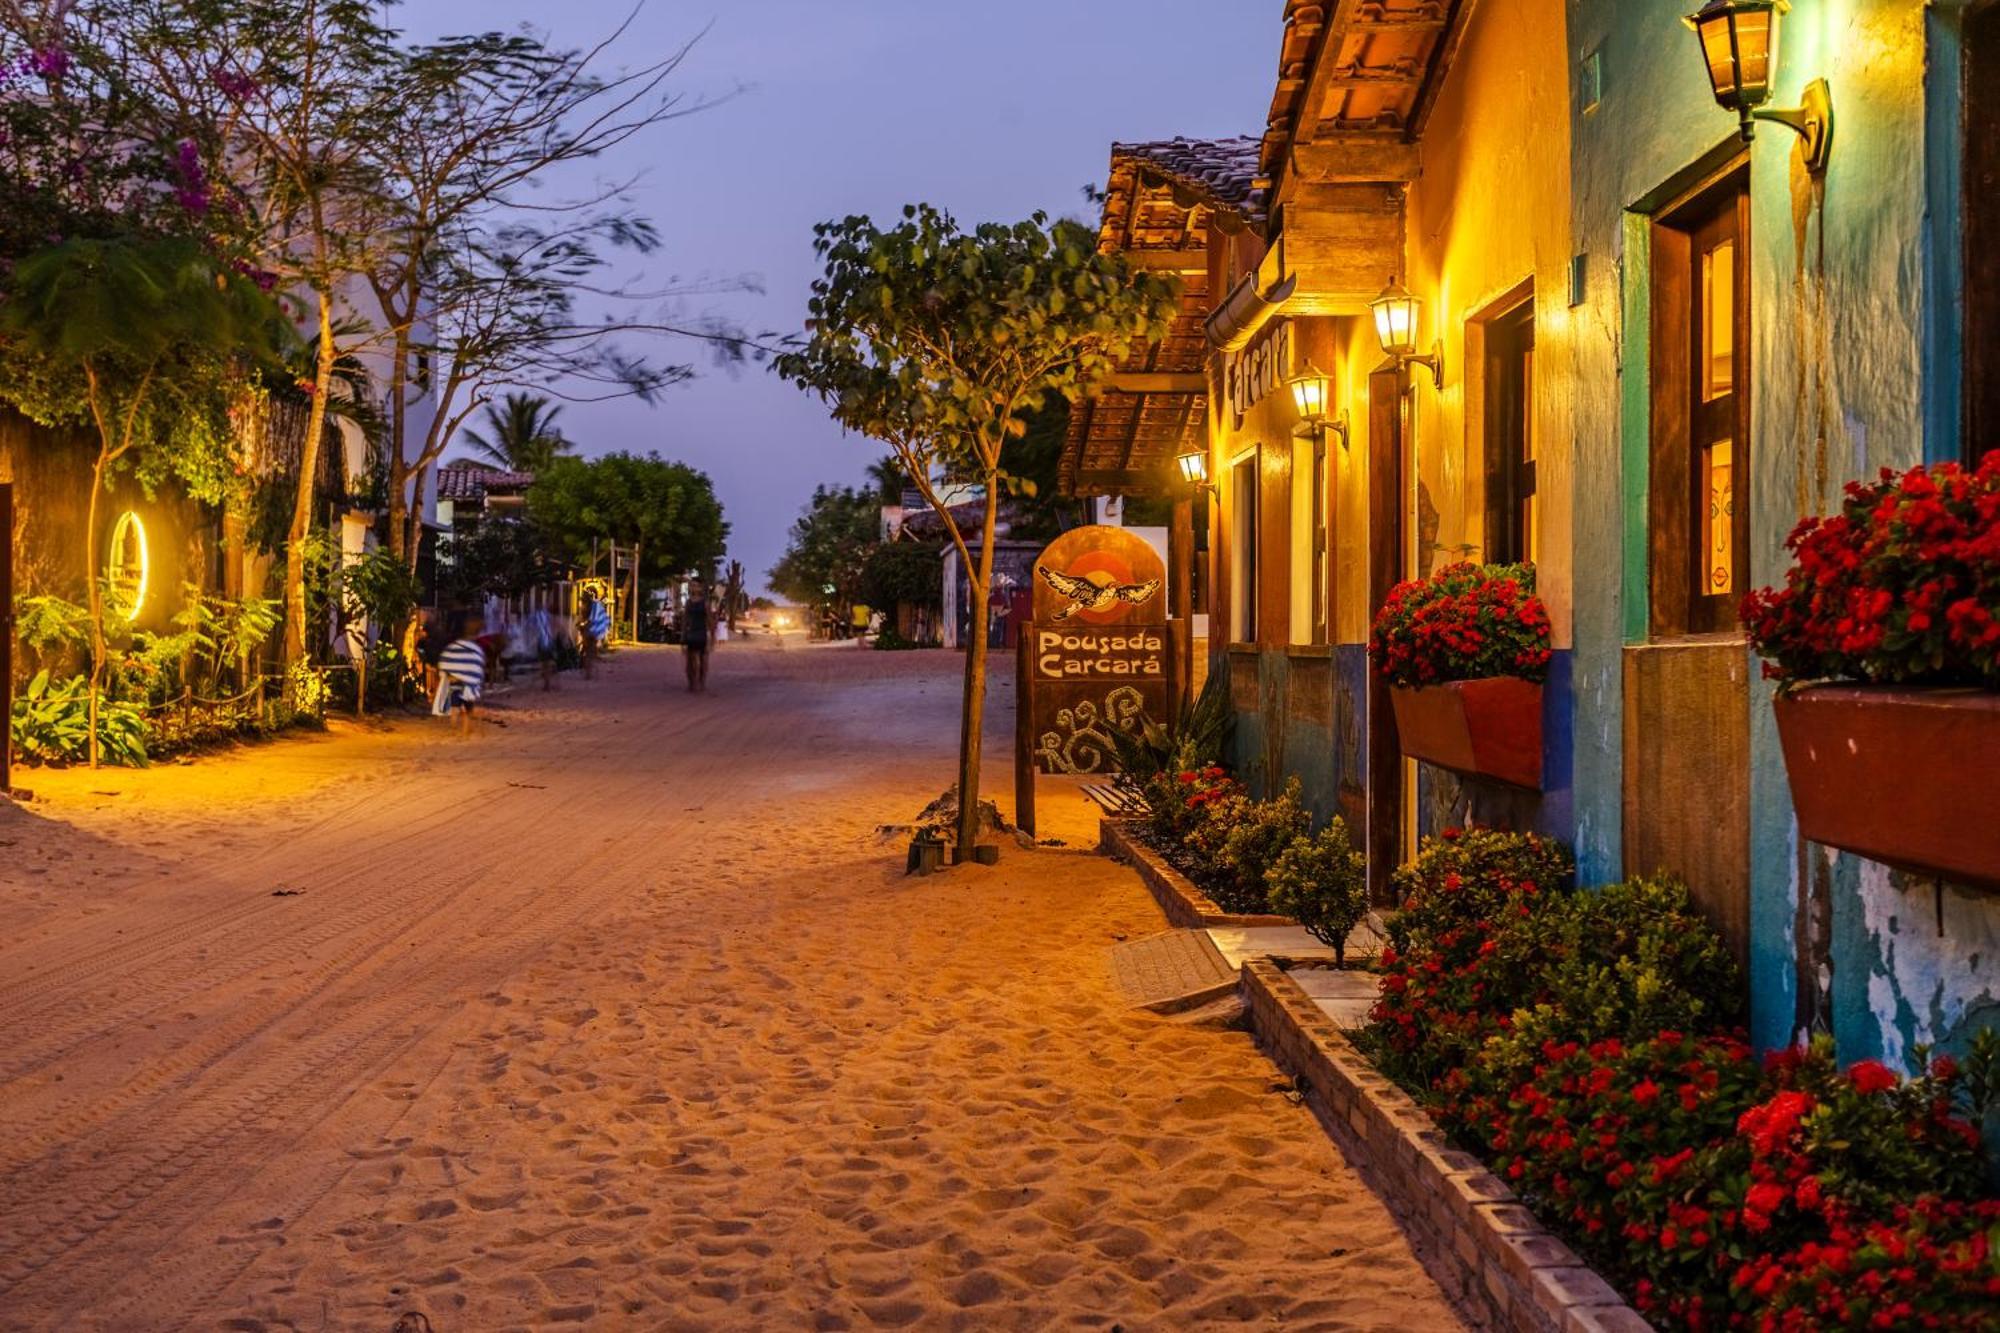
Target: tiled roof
1223,172
472,481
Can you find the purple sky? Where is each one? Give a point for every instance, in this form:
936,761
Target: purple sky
990,109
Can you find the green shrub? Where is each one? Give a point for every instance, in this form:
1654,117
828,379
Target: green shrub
51,724
1191,742
1628,960
1322,882
1255,840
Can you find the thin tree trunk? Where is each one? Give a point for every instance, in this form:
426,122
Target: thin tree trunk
295,545
972,716
95,598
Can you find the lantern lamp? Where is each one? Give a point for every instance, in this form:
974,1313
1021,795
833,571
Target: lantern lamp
1396,313
1739,46
1309,393
1194,467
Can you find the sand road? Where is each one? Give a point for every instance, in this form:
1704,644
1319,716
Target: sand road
622,1016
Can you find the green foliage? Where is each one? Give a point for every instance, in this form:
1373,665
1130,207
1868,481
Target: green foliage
888,641
51,627
667,510
1253,845
829,547
1179,794
381,587
490,556
1321,882
147,338
894,573
51,724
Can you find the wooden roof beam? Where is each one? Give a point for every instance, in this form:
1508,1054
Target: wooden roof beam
1339,159
1190,259
1157,381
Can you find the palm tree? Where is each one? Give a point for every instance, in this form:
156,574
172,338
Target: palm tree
889,478
521,434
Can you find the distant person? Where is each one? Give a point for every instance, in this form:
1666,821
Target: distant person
591,625
697,636
462,668
542,640
431,641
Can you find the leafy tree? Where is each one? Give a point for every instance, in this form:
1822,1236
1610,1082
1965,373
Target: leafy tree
491,557
276,103
666,513
890,479
941,343
829,543
145,338
905,571
521,434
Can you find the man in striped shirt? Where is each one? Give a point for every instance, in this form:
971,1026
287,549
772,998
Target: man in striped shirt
463,666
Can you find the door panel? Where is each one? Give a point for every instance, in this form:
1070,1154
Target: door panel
1385,570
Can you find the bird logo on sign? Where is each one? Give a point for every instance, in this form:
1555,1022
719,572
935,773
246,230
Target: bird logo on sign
1085,594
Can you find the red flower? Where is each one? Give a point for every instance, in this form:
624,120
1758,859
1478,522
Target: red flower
1871,1076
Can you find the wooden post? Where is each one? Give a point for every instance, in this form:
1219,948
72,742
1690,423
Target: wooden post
1181,558
1024,731
6,635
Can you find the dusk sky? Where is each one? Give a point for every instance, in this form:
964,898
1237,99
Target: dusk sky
991,110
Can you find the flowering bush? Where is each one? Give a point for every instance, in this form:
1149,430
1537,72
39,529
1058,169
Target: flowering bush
1902,586
1179,799
1322,883
1449,982
1465,622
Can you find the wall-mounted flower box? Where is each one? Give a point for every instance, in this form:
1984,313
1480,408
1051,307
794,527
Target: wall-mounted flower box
1488,728
1905,776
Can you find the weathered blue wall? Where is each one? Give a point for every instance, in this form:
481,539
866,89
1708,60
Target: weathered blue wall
1850,366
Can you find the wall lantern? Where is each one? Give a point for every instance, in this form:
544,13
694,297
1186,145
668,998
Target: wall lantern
1194,467
1739,44
1310,393
1194,471
1396,313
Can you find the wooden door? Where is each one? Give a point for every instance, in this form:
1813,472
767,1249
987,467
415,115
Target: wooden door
1385,571
1687,689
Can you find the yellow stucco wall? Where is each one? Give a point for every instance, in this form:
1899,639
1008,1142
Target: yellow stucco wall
1491,210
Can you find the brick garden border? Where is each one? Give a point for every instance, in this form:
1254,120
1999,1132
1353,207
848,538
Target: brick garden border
1481,1246
1179,897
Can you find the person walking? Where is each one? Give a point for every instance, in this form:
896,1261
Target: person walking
697,635
462,669
542,639
586,634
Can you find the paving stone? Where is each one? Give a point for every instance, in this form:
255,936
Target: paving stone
1171,966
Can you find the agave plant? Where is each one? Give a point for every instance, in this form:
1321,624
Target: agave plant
1199,733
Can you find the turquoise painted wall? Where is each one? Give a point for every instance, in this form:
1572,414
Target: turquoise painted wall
1851,368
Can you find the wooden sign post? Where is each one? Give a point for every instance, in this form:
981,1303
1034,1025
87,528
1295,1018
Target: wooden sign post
1096,657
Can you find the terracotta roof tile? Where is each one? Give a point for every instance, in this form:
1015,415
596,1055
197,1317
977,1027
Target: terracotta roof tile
1224,171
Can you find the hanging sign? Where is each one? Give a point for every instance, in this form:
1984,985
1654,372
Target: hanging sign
1096,656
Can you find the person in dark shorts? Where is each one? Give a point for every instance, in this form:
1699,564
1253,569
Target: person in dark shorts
697,635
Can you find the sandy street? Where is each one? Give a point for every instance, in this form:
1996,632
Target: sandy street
623,1016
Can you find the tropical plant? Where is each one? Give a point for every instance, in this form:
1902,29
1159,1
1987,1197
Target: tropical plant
61,722
735,597
144,337
827,553
940,342
1321,882
1902,586
1464,622
520,434
51,627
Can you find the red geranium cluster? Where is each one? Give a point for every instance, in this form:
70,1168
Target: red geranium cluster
1902,586
1464,622
1725,1193
1447,983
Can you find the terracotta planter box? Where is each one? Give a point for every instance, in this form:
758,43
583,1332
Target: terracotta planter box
1482,728
1902,776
